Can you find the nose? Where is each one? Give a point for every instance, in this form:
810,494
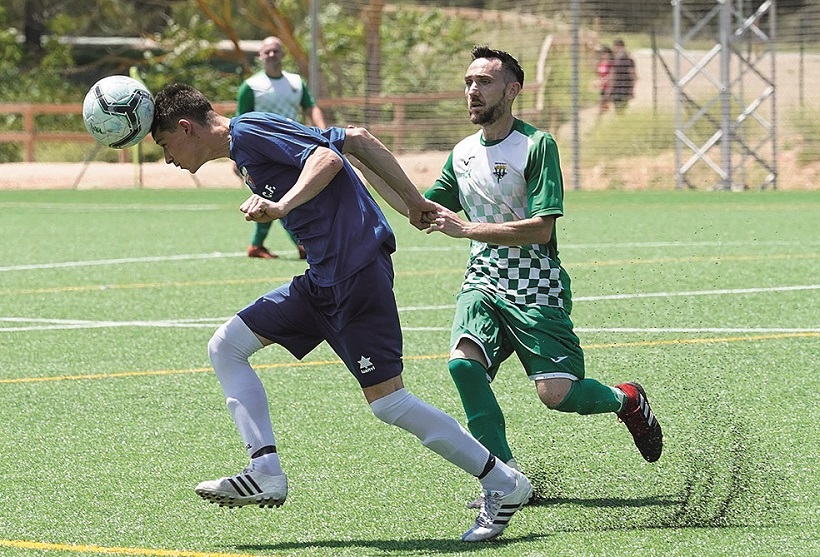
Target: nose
168,158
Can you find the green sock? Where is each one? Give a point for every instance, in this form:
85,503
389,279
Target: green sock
484,417
588,396
260,233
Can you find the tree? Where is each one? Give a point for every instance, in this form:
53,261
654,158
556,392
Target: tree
34,18
372,17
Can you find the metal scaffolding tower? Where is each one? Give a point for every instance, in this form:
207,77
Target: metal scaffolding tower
730,132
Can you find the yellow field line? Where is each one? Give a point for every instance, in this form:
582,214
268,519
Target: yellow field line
102,550
158,372
702,340
459,270
136,552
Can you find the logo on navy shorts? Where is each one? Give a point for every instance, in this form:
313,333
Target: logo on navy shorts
365,366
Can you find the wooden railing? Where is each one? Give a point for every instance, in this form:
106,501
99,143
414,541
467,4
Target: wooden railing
30,135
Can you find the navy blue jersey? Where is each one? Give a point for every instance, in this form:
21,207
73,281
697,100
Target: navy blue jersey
342,228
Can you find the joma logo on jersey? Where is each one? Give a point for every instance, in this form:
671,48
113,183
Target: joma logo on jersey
500,170
467,169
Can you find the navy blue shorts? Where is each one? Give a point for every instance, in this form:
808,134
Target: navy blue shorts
357,317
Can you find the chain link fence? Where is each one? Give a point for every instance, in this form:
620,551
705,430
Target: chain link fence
712,91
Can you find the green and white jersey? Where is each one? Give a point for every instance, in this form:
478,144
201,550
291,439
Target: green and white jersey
282,95
494,182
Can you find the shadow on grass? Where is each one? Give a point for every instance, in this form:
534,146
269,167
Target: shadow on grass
608,502
426,546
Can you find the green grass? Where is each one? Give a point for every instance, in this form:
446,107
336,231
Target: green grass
105,429
640,133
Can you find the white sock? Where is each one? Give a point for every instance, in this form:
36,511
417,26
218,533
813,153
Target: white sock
229,348
499,478
442,434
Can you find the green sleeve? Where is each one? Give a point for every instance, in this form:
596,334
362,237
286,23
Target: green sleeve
545,186
244,99
307,99
445,189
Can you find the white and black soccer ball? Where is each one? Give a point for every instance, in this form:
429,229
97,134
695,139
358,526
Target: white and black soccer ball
118,111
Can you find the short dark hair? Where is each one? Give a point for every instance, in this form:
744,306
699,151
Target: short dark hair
508,62
618,42
177,101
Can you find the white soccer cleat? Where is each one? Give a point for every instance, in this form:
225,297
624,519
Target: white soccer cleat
478,501
247,488
497,510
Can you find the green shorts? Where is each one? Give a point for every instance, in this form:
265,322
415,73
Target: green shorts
541,337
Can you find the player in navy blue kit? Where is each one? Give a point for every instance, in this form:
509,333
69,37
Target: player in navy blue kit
299,175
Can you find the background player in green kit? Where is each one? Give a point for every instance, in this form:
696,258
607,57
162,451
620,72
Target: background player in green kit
516,297
275,90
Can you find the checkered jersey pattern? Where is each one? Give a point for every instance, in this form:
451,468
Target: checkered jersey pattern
281,96
493,188
523,275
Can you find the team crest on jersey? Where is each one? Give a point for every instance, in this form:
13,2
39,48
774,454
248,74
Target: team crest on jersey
500,171
246,177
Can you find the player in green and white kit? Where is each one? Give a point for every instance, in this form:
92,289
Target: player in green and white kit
275,90
516,297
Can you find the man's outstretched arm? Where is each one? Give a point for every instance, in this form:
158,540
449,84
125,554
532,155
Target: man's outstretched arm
388,177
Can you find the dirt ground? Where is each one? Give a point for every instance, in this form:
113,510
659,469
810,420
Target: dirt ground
423,168
637,173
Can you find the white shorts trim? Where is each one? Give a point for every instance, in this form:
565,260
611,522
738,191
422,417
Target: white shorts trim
552,375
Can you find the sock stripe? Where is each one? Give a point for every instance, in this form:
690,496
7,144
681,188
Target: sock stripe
487,467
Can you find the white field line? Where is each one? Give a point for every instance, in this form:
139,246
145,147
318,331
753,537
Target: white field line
213,323
686,294
64,324
657,295
658,330
98,262
96,207
37,324
461,246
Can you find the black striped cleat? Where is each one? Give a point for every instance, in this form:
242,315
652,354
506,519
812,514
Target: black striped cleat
247,488
497,509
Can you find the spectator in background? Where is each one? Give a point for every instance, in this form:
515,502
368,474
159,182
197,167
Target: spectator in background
283,93
623,76
604,81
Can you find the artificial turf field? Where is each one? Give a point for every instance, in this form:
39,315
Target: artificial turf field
110,413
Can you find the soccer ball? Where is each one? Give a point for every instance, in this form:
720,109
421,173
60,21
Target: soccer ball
118,111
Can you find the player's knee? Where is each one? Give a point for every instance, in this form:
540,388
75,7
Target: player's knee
391,408
553,392
463,370
216,344
233,341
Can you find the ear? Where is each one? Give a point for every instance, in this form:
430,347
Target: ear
186,126
513,89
